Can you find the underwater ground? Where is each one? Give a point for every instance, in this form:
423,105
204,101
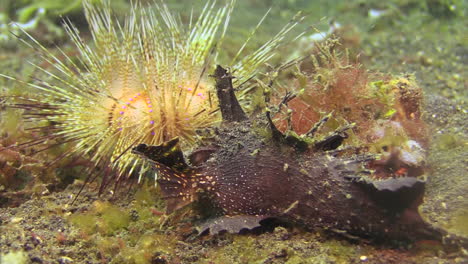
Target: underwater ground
38,223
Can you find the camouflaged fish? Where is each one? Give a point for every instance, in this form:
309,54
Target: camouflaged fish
244,177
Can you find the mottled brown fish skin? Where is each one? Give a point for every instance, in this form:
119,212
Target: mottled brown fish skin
248,176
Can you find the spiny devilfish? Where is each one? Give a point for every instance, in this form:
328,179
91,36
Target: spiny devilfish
245,177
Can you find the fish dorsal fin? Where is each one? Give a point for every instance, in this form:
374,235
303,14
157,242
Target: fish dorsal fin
231,111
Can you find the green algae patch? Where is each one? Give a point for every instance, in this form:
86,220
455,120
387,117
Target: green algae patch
104,218
459,223
243,249
132,233
449,141
14,257
280,246
150,248
84,221
390,138
10,120
147,208
111,219
339,251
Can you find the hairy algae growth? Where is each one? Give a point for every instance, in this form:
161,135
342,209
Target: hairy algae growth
37,224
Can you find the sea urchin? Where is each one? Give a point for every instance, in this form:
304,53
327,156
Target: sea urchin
143,81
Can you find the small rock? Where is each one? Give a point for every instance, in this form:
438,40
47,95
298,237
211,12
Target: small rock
281,233
65,260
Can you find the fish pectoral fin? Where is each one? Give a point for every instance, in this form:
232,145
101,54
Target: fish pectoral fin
231,224
175,203
176,187
395,194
